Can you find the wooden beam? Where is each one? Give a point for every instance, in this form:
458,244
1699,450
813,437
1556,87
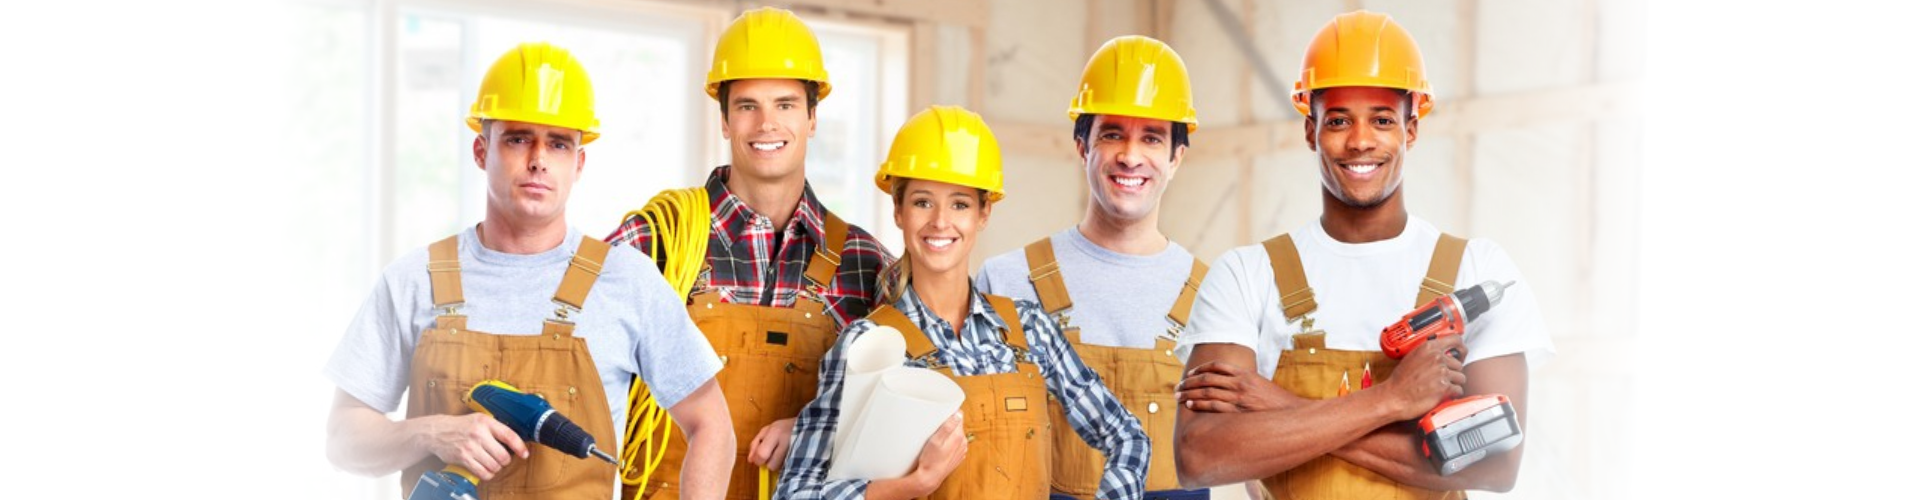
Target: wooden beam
1465,47
1050,140
1580,104
971,14
923,59
977,67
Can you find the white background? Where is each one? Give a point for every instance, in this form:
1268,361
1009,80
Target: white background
152,342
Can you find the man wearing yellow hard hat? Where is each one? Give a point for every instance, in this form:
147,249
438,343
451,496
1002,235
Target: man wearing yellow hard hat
1119,287
944,173
523,298
1279,325
769,274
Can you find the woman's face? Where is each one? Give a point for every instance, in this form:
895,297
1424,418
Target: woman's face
939,221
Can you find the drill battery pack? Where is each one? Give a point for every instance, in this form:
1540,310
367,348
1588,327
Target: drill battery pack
1465,431
443,485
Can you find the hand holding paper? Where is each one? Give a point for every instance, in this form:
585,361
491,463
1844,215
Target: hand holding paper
889,411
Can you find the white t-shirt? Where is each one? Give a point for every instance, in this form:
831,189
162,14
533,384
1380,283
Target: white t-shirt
1361,288
632,320
1119,300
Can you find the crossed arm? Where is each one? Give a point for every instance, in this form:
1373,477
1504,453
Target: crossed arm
1235,425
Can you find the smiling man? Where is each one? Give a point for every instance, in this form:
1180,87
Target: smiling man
1280,325
774,276
1119,288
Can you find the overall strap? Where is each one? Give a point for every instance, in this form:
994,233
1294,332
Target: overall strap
574,286
582,272
1016,335
1043,269
443,267
918,346
1443,269
826,256
1296,298
1183,305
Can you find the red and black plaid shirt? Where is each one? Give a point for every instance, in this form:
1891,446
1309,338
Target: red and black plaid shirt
745,268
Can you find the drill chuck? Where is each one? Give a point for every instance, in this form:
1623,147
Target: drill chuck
1475,301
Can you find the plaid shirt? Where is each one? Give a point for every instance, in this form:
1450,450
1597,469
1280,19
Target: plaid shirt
978,350
744,267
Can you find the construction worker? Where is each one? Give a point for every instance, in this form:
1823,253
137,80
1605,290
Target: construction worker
770,273
525,299
944,173
1278,325
1119,288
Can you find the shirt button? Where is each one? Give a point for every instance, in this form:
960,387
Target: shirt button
1153,407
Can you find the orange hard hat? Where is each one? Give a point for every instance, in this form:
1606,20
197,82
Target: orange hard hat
1363,49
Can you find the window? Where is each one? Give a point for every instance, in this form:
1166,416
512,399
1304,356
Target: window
638,66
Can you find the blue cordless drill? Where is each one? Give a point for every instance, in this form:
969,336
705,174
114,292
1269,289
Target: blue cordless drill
530,417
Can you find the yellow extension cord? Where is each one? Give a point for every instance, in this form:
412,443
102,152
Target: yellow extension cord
681,221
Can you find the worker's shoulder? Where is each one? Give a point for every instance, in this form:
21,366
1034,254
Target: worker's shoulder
1014,261
862,250
855,233
1484,255
625,262
1241,259
1031,314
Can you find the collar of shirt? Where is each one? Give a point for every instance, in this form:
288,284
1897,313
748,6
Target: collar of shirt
732,218
981,346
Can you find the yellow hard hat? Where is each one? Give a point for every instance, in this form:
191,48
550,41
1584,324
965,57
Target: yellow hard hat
1136,76
1363,49
767,43
537,82
946,144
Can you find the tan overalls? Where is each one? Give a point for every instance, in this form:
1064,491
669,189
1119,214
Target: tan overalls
1007,436
1311,370
1142,379
769,364
555,365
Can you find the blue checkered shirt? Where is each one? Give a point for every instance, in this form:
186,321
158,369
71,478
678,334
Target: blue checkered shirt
1092,410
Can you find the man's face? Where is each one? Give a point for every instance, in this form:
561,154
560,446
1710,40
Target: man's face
1129,161
767,126
1362,135
530,169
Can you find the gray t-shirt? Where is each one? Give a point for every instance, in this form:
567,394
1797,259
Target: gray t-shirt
632,320
1119,300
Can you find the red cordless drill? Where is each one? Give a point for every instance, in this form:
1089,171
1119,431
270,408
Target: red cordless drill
1459,432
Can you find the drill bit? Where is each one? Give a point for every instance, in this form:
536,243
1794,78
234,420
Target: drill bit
603,455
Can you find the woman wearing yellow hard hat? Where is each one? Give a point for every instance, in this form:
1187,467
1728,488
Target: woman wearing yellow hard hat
944,174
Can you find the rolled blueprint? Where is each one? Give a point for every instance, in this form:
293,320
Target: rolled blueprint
904,409
876,350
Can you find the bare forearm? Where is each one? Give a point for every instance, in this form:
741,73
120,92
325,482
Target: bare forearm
911,486
709,462
709,432
1393,451
1221,448
364,441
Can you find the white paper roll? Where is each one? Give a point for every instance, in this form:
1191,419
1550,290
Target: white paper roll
905,408
877,350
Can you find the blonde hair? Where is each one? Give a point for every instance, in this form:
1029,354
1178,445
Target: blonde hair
896,277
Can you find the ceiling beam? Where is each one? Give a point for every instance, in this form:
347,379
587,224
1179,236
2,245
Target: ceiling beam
1577,104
